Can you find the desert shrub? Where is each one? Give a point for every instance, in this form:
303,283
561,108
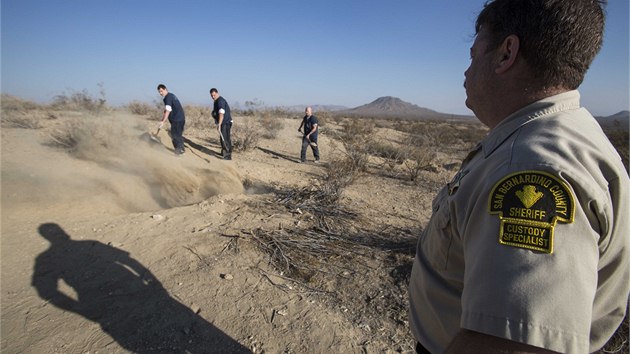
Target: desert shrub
418,160
323,117
85,137
244,136
392,155
429,133
357,129
20,119
82,100
271,125
619,138
140,108
387,151
340,173
355,137
267,118
358,156
199,117
25,114
281,112
13,104
357,140
471,134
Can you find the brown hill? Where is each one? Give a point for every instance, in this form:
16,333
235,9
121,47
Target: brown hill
619,120
394,107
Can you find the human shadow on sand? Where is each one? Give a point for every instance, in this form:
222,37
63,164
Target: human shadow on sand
125,298
279,155
203,149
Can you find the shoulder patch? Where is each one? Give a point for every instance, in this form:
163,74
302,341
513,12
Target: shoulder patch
529,204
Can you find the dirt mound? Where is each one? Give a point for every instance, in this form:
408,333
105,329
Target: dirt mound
109,164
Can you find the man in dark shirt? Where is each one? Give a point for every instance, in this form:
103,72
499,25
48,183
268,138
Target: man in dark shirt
174,111
310,124
223,119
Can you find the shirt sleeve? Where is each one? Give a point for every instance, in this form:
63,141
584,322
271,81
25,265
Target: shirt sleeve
526,294
168,102
222,106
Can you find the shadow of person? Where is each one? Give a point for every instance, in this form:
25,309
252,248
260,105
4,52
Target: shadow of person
117,292
201,148
279,155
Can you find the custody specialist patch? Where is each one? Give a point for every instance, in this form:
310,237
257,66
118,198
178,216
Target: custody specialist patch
529,204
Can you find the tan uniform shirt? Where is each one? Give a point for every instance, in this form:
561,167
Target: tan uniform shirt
530,240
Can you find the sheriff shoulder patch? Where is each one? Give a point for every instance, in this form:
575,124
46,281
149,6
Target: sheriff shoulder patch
529,204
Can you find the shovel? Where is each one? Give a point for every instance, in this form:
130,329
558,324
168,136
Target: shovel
311,143
154,137
222,141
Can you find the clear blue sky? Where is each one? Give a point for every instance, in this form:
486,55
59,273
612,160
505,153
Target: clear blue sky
281,52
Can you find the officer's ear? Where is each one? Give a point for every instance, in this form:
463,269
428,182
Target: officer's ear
506,53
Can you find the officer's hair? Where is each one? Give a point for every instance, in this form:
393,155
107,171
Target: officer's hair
558,39
214,90
161,86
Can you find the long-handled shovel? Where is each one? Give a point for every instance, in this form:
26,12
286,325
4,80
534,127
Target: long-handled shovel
222,141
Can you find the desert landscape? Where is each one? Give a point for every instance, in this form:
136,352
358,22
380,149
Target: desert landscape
112,244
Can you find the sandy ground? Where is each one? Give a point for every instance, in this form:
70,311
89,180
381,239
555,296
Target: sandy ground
120,246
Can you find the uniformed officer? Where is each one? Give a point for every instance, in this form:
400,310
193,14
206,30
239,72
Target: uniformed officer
527,248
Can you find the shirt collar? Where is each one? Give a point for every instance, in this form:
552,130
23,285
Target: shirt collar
560,102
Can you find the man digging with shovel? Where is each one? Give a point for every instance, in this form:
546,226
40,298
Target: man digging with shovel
174,111
223,119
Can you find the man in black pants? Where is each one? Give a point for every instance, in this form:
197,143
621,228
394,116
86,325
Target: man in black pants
310,124
174,111
223,119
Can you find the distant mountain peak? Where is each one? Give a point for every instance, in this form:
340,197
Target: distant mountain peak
392,106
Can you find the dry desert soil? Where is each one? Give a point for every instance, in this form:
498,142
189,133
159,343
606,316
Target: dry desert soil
112,244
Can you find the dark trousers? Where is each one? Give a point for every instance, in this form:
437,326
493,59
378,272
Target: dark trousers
177,135
226,141
305,144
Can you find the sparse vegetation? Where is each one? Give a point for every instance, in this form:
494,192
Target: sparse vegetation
199,117
141,108
270,124
24,120
81,101
417,160
620,139
19,113
86,137
245,135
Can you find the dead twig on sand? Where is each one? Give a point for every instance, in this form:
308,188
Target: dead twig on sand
232,244
284,287
193,251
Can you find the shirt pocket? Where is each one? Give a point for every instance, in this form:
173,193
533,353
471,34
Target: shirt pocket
438,235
